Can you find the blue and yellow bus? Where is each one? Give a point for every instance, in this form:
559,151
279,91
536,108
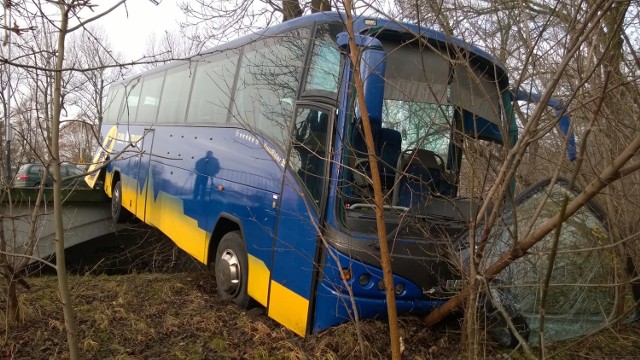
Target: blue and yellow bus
251,158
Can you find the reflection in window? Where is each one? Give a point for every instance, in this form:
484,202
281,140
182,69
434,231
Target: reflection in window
268,81
324,69
309,153
212,89
36,169
422,125
130,109
175,94
150,98
114,102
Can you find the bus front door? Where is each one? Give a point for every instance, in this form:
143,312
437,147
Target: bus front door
299,222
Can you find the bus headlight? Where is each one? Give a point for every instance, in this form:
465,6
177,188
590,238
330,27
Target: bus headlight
399,288
364,279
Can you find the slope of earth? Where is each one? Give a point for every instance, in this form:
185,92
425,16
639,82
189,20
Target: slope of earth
159,304
179,316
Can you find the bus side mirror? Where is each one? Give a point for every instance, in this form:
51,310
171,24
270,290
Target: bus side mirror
372,70
372,67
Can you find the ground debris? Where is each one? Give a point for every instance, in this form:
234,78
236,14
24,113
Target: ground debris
179,316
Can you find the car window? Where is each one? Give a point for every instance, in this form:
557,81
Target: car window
36,169
74,171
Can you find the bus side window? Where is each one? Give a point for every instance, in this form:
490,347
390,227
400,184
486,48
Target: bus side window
324,69
212,89
268,81
175,95
114,103
130,108
310,147
150,99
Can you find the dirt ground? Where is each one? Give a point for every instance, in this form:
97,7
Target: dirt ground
176,314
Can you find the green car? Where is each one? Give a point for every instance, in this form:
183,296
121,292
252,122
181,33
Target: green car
32,175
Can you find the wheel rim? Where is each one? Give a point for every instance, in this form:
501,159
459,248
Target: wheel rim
228,271
115,204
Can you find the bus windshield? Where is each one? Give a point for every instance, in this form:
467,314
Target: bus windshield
422,125
434,102
423,88
415,97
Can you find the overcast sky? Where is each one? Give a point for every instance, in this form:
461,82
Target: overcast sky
129,27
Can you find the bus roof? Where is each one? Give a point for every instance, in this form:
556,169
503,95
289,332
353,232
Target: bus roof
362,25
365,24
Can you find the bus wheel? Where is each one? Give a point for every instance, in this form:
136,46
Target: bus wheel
231,269
118,213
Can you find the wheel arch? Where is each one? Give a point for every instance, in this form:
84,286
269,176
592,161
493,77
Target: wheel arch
110,180
225,224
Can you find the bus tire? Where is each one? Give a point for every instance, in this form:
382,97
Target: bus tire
118,213
231,269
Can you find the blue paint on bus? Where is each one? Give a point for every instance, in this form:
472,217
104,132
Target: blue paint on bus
261,137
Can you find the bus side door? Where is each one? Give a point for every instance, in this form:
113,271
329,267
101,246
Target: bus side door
300,219
144,178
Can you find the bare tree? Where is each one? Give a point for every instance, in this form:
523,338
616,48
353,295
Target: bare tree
545,46
579,49
49,74
90,52
221,21
170,46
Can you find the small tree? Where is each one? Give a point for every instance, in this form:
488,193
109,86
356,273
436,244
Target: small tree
49,75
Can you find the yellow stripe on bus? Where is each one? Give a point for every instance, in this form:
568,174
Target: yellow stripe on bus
167,214
129,193
258,282
288,308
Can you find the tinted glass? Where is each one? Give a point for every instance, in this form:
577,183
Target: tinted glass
309,153
114,102
324,69
150,98
175,94
268,82
212,89
36,169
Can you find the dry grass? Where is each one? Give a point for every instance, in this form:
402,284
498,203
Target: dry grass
178,316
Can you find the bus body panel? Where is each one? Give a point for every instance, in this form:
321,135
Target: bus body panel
173,203
294,256
185,178
166,196
333,304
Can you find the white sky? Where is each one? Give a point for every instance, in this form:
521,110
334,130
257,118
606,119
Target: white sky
130,27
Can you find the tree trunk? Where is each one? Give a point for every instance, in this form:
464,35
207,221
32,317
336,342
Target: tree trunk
320,5
63,286
13,310
378,197
291,9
